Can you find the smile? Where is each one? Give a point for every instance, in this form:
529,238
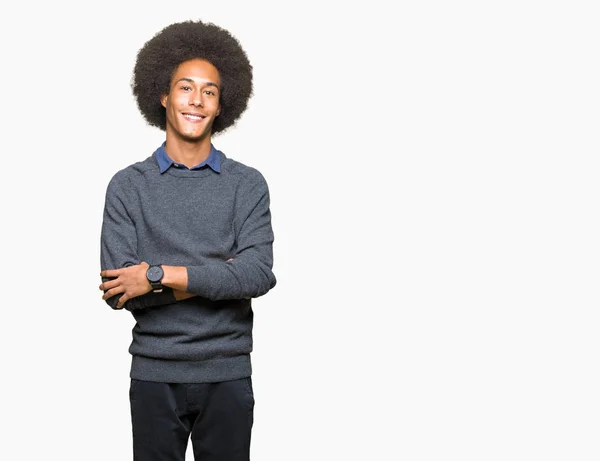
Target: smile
194,117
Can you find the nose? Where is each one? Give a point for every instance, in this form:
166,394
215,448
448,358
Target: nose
196,98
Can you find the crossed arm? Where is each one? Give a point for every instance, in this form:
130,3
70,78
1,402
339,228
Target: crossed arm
247,275
131,282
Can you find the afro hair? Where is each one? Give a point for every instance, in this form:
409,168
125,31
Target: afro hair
160,56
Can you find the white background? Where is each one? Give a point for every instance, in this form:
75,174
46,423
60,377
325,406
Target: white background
434,172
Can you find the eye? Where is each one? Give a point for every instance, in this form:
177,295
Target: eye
186,88
209,92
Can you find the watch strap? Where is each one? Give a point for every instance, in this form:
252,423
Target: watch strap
156,285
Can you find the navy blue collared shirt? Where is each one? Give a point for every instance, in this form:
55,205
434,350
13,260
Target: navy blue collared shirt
165,162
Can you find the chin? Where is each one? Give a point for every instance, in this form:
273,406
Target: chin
194,137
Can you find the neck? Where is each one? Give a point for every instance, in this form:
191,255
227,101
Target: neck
188,153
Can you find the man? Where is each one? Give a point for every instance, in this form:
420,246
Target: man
186,244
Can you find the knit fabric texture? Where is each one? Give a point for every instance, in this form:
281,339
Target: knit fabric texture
199,219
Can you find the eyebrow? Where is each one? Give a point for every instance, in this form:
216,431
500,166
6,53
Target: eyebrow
186,79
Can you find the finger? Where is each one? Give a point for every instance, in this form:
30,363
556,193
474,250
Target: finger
113,291
122,301
109,284
110,273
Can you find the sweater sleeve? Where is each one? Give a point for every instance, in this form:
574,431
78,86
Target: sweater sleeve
118,244
249,274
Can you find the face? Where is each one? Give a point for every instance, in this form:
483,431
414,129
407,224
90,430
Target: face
193,100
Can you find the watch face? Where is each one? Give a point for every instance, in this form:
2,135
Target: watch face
154,273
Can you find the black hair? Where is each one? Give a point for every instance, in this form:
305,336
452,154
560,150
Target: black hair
160,56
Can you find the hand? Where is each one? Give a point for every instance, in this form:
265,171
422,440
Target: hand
181,295
131,281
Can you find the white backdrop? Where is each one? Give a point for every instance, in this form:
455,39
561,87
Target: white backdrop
434,171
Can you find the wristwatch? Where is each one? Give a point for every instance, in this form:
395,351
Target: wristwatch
154,274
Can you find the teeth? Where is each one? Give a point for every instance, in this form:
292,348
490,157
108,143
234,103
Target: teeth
193,117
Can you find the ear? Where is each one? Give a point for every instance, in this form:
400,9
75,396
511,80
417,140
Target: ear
163,100
218,110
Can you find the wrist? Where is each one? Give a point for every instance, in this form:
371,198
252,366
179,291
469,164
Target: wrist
175,277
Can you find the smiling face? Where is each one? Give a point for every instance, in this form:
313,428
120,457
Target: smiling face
193,101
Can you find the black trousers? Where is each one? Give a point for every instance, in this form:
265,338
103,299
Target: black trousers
216,417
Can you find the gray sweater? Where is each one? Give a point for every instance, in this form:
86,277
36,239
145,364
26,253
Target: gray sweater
198,219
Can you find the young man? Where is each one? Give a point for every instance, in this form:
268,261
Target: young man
186,244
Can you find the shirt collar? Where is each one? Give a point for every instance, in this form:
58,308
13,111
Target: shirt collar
165,162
